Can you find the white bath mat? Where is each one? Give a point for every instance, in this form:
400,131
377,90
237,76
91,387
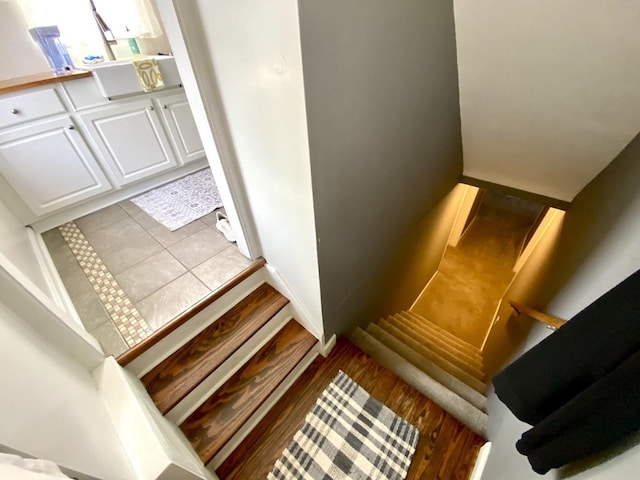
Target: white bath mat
181,202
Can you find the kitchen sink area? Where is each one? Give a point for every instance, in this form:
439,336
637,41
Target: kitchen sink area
118,78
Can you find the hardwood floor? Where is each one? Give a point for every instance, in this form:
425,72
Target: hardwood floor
446,449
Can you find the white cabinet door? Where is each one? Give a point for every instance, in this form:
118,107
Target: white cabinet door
50,166
130,139
182,127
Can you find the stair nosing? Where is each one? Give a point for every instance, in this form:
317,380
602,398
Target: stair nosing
134,352
440,375
473,356
473,382
438,330
447,355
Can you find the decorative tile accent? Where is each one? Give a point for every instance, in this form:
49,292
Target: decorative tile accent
123,313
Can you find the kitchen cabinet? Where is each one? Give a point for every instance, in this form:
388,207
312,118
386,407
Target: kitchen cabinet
50,166
130,140
181,127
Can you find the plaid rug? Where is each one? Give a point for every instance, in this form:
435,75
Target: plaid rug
348,435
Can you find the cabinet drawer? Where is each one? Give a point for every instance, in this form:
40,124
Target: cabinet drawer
30,106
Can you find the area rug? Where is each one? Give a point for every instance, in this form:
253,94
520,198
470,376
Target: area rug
181,202
348,435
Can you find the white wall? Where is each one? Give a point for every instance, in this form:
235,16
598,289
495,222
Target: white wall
597,249
253,48
16,246
548,89
51,407
20,55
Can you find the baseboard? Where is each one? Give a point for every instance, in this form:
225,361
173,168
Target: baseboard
326,347
114,196
481,462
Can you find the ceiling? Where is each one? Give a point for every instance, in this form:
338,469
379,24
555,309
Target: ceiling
549,89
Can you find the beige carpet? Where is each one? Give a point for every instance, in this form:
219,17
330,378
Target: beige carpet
472,277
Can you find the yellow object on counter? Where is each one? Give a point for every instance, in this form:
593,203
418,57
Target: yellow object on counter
148,72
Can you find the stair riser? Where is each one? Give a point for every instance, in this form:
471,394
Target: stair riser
436,348
210,384
452,383
170,344
425,332
436,330
264,409
454,370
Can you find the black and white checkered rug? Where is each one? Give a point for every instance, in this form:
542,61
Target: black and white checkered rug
348,435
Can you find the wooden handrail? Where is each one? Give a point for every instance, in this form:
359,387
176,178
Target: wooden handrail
553,322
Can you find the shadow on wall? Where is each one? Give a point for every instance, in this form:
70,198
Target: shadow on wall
395,284
595,461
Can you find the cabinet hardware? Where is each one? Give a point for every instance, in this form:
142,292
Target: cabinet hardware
151,108
71,127
15,111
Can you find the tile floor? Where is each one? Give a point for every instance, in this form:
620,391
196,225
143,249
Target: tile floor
161,273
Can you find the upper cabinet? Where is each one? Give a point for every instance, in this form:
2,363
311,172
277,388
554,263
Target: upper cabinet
130,139
50,166
181,127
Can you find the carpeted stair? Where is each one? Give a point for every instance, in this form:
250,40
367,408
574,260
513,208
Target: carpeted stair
441,366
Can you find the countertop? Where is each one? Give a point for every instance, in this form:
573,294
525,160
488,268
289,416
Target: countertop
28,81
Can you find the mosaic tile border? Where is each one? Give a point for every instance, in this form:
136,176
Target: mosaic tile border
123,313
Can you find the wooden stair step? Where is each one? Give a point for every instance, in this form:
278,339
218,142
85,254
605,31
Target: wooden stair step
438,330
442,349
410,340
470,355
176,376
214,422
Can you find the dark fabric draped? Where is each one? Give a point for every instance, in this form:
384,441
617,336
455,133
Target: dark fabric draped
580,387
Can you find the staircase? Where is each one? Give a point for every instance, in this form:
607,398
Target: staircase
218,374
440,365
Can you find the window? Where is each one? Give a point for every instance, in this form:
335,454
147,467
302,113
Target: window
80,33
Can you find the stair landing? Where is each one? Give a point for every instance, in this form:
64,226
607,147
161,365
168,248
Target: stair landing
446,448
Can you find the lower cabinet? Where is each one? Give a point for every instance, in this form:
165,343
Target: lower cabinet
50,166
130,139
181,125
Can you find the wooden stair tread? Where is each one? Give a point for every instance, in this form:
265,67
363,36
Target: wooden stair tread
470,379
440,349
438,330
176,376
219,417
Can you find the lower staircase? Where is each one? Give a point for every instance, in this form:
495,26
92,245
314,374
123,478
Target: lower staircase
441,366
